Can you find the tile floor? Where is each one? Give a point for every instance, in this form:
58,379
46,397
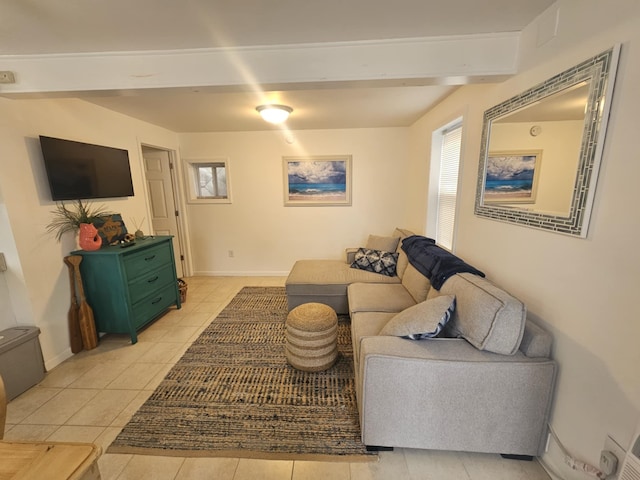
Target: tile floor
91,396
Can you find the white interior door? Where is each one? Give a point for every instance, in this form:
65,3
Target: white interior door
164,221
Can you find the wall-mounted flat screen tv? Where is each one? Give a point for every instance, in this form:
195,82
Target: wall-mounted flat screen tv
77,170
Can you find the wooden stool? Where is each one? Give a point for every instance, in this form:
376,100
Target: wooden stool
49,460
312,337
45,460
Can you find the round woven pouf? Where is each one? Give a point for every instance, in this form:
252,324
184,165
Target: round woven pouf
312,337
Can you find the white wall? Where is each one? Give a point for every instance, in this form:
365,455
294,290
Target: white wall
37,279
583,290
7,316
267,237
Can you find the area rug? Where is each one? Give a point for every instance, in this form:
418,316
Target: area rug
233,394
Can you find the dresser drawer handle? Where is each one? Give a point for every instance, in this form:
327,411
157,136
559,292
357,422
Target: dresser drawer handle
156,300
151,280
147,259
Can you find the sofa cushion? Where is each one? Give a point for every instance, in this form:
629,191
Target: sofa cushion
424,320
369,324
402,233
326,281
366,324
403,261
385,244
485,315
376,261
378,297
416,284
329,276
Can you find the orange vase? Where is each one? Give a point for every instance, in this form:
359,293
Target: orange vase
88,238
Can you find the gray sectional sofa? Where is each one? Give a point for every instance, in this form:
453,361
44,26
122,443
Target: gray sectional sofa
484,383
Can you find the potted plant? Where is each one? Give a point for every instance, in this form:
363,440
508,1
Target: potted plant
79,217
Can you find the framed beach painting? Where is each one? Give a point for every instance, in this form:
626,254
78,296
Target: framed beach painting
317,181
512,177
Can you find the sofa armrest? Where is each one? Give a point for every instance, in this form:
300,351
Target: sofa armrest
445,394
350,255
536,342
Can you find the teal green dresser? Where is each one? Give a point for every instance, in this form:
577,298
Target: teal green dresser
129,287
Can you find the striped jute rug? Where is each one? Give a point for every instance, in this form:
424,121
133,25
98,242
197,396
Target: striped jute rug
233,394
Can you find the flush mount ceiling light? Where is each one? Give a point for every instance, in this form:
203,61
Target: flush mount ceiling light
274,113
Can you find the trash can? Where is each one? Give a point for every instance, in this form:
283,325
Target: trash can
21,362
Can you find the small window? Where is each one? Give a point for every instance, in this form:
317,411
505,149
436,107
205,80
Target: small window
212,180
208,181
443,185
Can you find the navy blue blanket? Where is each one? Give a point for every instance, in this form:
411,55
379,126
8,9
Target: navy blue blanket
434,262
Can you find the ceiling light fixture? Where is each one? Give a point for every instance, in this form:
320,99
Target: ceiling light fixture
274,113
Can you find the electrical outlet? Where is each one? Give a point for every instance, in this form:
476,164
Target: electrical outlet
7,77
610,445
608,462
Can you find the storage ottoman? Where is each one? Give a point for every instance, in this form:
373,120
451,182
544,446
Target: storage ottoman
21,363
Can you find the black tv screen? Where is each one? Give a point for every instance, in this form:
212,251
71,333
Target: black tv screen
77,170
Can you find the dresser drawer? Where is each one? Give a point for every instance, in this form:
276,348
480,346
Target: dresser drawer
141,263
150,282
150,307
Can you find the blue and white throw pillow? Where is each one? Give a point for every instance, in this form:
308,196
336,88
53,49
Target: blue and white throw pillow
376,261
424,320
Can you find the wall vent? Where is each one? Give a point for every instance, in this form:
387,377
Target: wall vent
631,467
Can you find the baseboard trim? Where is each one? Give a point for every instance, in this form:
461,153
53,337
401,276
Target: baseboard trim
375,448
234,273
510,456
50,363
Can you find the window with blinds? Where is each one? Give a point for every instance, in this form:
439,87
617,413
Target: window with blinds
448,185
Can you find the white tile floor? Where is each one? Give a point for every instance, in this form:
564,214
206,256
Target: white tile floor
91,396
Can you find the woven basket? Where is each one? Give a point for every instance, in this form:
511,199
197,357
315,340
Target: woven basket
182,288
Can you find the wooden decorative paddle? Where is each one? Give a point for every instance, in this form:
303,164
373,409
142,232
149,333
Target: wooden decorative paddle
86,320
74,311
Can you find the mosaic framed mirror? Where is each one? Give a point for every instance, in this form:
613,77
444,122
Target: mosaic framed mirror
562,120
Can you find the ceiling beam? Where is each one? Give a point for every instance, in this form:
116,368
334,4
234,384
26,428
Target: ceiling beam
450,60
